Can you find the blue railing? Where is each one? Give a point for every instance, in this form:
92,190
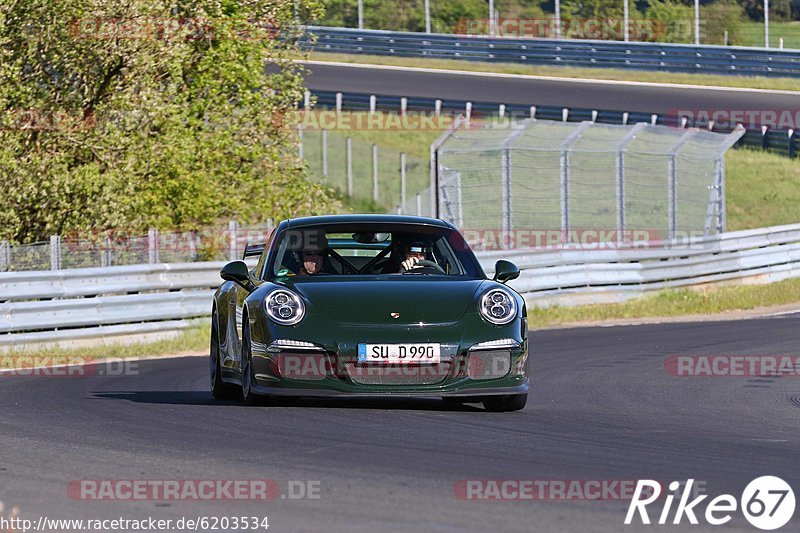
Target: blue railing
783,142
576,53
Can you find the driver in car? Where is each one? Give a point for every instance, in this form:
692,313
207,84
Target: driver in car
413,254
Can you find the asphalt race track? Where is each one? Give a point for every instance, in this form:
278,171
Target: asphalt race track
511,90
602,408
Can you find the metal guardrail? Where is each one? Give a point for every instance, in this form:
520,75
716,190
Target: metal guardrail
112,302
103,303
784,142
704,59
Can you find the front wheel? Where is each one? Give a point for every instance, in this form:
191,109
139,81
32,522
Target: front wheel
219,389
248,395
513,402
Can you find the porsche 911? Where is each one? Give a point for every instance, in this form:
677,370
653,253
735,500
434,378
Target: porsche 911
369,305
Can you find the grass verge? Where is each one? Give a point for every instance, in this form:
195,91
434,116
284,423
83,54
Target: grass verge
672,303
762,189
192,340
746,82
752,34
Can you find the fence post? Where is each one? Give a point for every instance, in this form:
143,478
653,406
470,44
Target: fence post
672,181
533,111
403,182
152,246
564,177
300,141
105,255
437,108
190,238
672,194
324,137
5,256
791,143
233,236
349,166
468,111
460,200
723,211
403,105
507,223
338,103
620,168
375,172
55,252
765,137
372,103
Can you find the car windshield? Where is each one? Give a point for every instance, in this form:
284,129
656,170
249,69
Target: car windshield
372,250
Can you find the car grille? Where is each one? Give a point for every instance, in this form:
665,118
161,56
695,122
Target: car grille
398,374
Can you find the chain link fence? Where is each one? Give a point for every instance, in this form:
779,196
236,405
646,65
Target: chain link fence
358,169
643,181
107,249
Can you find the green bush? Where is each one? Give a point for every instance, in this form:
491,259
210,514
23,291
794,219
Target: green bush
719,17
675,21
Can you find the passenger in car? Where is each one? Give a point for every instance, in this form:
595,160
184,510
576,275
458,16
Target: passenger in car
311,260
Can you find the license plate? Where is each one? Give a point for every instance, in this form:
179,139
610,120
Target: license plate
399,353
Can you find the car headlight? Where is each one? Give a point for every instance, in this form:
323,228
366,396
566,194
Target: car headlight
284,307
498,307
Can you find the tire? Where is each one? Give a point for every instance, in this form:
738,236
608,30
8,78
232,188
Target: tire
219,389
497,404
248,395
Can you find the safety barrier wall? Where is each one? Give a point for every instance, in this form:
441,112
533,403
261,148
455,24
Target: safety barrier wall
701,59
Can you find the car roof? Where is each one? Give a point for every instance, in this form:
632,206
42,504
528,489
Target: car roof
366,219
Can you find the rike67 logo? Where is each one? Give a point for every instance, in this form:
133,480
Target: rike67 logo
767,503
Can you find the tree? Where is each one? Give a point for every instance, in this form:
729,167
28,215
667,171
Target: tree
594,9
778,9
149,113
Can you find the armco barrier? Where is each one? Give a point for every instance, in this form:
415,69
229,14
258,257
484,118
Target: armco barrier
113,302
577,53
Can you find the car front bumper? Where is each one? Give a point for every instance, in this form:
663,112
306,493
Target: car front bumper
314,371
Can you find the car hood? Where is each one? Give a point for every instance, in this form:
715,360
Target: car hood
373,301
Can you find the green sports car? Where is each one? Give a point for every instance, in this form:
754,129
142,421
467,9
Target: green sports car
369,305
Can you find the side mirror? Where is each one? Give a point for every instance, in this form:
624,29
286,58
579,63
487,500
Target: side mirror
505,271
237,272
